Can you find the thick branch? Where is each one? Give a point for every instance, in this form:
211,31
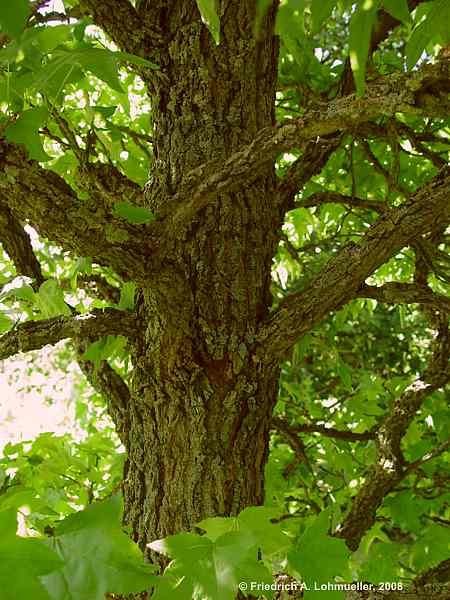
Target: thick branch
390,467
342,278
385,97
405,293
33,335
44,199
106,185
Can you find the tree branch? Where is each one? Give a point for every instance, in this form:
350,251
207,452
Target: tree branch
329,197
111,386
384,98
390,467
386,173
33,335
314,157
405,293
344,275
339,434
52,208
106,185
413,466
17,244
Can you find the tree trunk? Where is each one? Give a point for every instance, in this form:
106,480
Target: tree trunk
201,405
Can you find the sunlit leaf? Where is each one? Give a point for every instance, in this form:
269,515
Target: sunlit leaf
319,558
361,26
138,215
435,26
13,16
50,300
210,15
23,561
398,9
25,130
98,556
320,11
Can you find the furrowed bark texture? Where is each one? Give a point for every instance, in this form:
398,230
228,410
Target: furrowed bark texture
200,410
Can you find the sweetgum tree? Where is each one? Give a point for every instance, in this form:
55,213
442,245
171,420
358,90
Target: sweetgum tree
219,203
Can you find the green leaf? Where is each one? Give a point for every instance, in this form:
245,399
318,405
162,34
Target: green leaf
210,16
381,563
13,16
134,60
255,523
24,293
82,265
98,556
213,569
127,294
344,373
50,300
406,510
49,38
361,26
319,558
291,28
398,9
107,347
5,323
67,66
102,63
25,130
435,26
23,561
105,111
320,11
431,548
61,70
138,215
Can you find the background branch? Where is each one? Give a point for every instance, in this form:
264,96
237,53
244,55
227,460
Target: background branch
390,468
405,293
329,197
110,385
314,157
339,434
